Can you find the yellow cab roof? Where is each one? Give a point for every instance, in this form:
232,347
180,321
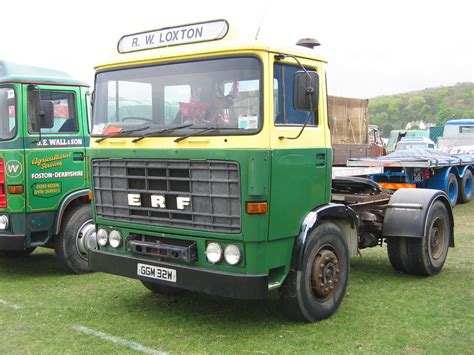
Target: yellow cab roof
230,43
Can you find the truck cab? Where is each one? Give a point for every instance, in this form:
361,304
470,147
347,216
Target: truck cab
211,171
43,174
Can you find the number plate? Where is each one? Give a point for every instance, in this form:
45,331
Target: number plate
155,272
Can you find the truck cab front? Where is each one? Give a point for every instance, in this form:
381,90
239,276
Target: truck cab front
198,180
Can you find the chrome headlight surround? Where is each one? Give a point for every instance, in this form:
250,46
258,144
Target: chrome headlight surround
102,237
214,253
115,239
4,222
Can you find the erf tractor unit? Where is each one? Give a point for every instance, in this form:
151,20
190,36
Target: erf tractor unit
43,178
211,172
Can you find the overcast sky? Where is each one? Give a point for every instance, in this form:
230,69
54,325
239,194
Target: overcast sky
373,47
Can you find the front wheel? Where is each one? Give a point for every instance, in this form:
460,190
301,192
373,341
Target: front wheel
316,291
77,236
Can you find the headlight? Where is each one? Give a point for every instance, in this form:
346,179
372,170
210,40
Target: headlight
115,239
214,253
102,237
232,254
3,222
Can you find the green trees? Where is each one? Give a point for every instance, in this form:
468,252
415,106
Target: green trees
435,105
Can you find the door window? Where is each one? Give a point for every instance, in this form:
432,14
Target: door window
283,86
58,106
7,113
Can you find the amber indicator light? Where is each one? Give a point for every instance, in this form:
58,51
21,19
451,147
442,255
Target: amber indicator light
15,189
257,207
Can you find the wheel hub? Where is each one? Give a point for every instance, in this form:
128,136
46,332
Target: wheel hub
436,239
325,274
86,238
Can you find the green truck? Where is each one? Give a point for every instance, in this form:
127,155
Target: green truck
44,188
230,193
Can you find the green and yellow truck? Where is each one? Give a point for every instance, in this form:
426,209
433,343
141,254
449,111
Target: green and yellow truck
44,185
211,171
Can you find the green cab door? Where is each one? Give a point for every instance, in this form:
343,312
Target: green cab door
54,151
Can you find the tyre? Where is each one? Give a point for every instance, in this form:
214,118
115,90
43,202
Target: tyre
397,250
427,255
161,289
18,253
316,291
77,236
465,188
452,189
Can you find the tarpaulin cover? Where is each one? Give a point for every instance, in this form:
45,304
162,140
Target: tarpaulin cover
431,156
348,120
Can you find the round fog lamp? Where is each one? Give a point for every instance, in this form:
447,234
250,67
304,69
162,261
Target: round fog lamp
213,253
102,237
232,254
3,222
115,239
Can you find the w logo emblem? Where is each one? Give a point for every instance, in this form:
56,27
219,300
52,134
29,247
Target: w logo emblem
14,168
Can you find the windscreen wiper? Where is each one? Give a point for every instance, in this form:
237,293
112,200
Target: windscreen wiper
164,130
204,130
122,133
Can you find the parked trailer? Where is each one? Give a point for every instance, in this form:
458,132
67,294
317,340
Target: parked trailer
424,168
233,196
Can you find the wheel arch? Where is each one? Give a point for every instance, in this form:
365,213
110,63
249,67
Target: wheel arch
441,177
341,215
71,200
407,207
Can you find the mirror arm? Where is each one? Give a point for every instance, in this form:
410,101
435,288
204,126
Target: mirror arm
310,93
283,56
40,112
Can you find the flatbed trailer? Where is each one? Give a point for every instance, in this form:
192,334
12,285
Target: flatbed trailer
424,168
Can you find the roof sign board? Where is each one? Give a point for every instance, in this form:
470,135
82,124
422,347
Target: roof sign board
172,36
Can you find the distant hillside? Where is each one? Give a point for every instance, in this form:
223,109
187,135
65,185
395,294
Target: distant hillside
435,105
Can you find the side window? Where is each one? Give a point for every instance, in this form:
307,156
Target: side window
7,113
89,112
58,112
283,83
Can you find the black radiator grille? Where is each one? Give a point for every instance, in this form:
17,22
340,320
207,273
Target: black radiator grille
190,194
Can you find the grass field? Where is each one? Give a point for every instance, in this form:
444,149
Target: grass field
44,310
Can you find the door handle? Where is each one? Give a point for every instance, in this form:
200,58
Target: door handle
78,156
320,159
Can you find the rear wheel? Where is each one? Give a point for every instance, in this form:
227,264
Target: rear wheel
465,188
161,289
77,236
452,190
316,291
428,254
397,249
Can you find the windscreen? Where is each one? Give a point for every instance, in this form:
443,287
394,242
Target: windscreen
222,93
7,113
